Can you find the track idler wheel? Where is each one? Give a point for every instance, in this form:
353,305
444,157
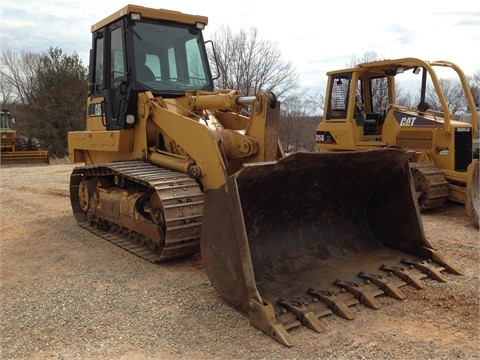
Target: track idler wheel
83,196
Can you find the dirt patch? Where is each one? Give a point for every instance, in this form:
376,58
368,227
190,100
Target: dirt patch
68,294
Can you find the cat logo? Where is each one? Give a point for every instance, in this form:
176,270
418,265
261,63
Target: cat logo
407,121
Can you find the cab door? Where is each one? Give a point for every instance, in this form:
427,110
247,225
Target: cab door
118,92
108,77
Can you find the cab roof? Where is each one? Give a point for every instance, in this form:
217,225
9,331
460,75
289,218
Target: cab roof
158,14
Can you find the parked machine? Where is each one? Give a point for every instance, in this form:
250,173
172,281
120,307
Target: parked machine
172,166
18,149
362,112
467,117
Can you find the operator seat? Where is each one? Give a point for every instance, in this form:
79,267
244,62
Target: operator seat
371,124
144,73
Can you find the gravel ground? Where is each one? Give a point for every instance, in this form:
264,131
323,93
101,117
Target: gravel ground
67,294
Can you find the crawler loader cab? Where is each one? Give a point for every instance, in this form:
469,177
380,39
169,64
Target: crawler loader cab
139,50
172,167
363,111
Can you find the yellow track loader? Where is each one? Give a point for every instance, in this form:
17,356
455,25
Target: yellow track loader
17,149
362,112
173,167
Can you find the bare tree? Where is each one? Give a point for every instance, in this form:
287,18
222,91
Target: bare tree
16,74
6,94
407,99
368,56
474,82
298,123
250,64
453,92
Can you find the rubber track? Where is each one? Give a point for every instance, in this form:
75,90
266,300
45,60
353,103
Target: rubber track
182,202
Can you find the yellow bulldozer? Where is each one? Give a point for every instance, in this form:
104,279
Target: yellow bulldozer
172,167
362,112
18,149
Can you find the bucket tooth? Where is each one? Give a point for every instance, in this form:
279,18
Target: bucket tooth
334,303
437,257
405,275
426,267
360,292
384,283
304,315
262,316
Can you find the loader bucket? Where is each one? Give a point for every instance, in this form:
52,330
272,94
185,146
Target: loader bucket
290,241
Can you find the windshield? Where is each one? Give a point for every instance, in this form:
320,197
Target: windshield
5,120
170,57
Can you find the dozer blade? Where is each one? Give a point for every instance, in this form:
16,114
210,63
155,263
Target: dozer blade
24,157
290,241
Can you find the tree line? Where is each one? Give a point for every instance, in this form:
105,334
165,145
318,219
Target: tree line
46,92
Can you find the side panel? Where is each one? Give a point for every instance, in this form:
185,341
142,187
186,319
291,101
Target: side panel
93,147
335,136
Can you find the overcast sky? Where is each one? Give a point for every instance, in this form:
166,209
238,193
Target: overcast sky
314,39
